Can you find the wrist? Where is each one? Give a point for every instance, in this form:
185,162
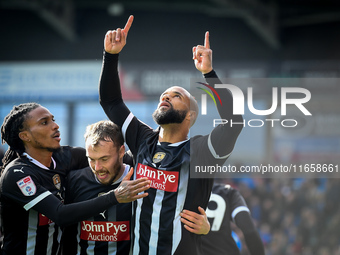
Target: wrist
209,74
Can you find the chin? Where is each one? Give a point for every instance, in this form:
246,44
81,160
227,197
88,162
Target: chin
54,149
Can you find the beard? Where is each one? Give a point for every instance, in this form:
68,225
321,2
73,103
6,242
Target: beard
170,116
117,167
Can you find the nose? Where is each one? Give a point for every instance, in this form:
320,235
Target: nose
56,126
97,166
165,97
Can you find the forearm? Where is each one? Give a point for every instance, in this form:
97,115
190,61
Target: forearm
254,243
63,214
110,95
223,137
109,83
253,240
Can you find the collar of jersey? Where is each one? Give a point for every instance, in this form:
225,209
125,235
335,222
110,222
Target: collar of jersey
127,168
174,144
36,162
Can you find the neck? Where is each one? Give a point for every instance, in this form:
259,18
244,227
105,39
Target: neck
43,156
173,133
121,172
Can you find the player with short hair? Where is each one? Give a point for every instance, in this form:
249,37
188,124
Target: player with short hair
164,155
32,183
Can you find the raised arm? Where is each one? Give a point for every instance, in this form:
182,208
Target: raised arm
110,96
223,137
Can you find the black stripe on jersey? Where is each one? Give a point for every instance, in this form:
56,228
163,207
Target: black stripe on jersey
165,238
145,220
43,233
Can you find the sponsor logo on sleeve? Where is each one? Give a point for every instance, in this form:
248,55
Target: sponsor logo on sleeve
160,179
27,186
105,231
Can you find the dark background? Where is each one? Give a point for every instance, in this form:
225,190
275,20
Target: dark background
271,31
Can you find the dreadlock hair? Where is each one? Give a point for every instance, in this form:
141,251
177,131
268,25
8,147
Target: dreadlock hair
13,124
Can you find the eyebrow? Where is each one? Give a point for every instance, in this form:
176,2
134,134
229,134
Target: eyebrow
46,117
175,92
106,156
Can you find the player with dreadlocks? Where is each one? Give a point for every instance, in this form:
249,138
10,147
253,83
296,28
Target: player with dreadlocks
33,179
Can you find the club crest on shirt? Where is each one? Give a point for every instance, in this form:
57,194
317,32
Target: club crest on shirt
56,181
158,157
27,186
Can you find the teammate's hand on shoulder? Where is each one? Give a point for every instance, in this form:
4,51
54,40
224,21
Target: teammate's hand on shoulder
194,222
115,40
129,190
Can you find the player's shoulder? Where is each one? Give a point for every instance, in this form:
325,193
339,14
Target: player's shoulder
18,170
18,166
79,174
222,187
225,190
69,151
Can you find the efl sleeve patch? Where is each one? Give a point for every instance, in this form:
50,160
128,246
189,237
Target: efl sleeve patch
27,186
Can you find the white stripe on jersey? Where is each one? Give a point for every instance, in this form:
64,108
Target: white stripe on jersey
36,200
112,216
32,232
137,224
182,192
239,209
157,206
126,124
78,239
51,230
213,152
112,247
91,244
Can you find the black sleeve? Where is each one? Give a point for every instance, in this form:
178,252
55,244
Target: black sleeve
64,215
224,144
251,236
110,95
110,98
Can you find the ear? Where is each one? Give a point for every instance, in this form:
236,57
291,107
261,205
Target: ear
193,117
189,115
25,136
121,151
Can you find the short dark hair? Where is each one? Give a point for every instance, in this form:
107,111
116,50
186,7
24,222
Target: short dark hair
104,130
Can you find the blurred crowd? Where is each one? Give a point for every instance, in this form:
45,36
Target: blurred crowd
294,216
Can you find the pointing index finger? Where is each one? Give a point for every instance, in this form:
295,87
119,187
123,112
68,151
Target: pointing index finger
206,40
128,25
